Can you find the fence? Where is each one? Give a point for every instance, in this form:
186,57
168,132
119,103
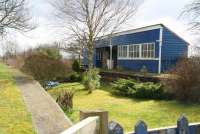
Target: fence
182,128
96,122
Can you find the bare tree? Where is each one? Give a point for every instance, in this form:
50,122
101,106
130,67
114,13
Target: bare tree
74,47
191,12
14,15
10,49
88,20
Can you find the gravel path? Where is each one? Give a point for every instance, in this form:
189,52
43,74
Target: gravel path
47,116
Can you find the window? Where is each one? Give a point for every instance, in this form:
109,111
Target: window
119,51
137,51
122,51
148,50
134,51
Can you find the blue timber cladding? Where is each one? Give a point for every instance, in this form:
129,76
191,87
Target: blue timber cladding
137,38
136,65
173,49
151,36
94,58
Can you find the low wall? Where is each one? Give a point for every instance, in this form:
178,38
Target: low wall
89,125
112,76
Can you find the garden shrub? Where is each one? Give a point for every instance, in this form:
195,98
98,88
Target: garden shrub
65,100
131,88
91,80
74,77
149,90
44,68
123,87
184,82
76,66
70,77
51,52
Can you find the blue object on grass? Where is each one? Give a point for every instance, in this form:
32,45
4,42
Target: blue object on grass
51,84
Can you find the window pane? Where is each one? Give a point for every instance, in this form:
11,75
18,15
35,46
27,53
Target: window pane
148,50
144,48
119,51
124,51
136,51
131,51
131,48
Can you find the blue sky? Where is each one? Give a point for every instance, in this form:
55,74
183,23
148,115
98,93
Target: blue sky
150,12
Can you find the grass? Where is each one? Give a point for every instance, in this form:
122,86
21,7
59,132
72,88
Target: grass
14,118
128,111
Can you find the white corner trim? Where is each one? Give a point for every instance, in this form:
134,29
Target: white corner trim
160,51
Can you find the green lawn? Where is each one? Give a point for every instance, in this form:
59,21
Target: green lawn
14,118
128,111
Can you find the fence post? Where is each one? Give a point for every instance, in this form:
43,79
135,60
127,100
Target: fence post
103,115
141,128
182,125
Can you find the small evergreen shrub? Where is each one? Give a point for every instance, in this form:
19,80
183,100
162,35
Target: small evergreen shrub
91,80
131,88
149,90
74,77
76,66
123,87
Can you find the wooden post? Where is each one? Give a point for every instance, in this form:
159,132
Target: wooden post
141,128
103,115
182,125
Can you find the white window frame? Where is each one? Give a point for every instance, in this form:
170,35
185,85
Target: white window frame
121,52
134,51
148,51
121,57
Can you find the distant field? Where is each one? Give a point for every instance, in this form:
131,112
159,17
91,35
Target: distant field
128,111
14,118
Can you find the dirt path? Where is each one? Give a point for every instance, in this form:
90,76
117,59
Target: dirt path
47,116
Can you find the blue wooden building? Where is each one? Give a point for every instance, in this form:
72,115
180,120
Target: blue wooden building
154,47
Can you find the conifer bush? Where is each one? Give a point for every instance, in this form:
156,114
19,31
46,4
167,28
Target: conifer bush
135,89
